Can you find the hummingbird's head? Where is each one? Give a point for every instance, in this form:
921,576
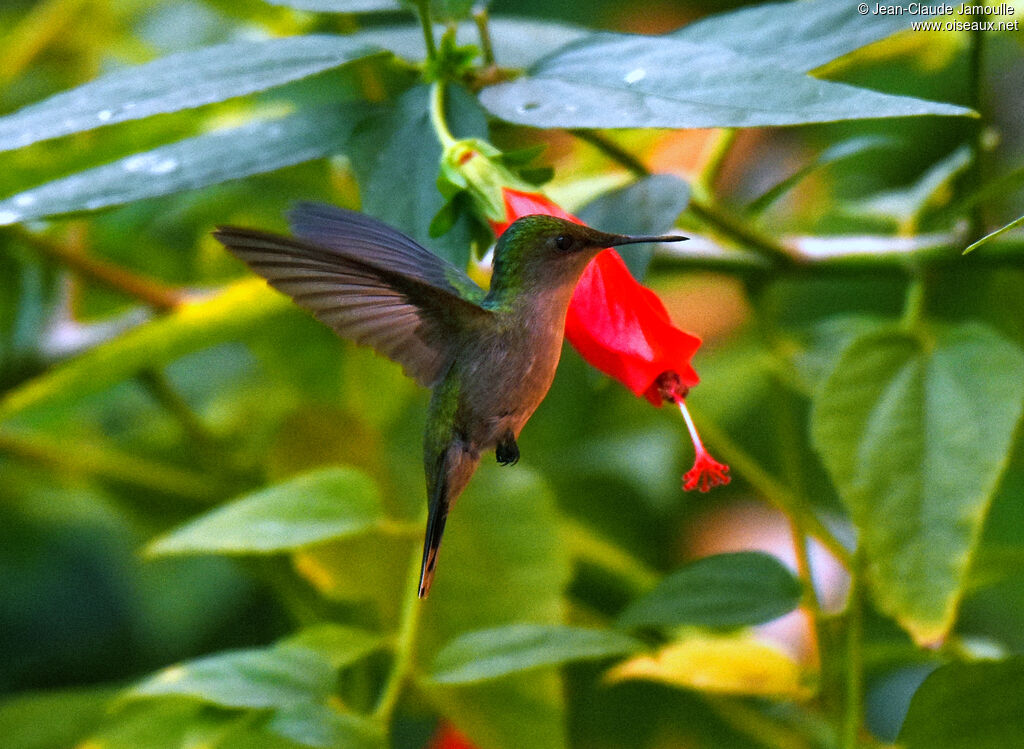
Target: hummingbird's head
540,251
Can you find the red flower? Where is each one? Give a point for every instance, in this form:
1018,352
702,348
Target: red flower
448,738
622,328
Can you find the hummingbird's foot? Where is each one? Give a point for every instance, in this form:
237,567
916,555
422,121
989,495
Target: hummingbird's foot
507,451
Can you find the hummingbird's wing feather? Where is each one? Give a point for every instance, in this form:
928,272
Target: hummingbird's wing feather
357,235
388,304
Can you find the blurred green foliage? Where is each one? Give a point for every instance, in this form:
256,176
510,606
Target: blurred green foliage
211,508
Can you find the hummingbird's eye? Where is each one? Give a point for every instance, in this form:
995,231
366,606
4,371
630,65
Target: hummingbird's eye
563,242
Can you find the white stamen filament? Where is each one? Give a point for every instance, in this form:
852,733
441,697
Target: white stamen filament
697,444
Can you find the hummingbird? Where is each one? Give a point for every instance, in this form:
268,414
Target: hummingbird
489,357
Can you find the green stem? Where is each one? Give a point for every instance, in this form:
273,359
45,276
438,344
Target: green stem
437,119
481,17
703,208
852,707
734,227
423,11
163,392
586,545
914,306
108,464
713,166
974,181
405,644
614,151
148,291
743,464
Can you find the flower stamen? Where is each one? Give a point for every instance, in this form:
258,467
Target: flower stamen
706,472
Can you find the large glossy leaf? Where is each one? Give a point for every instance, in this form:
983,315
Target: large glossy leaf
312,508
517,42
968,706
399,147
259,678
492,653
207,159
621,80
648,206
184,80
724,590
800,35
915,429
196,325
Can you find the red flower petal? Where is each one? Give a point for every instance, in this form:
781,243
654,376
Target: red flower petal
623,329
519,204
448,738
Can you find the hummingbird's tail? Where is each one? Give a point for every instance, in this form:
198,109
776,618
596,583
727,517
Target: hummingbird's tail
448,475
437,515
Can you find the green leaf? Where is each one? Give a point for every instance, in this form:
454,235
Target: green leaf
517,42
180,81
492,653
797,36
340,6
339,645
505,528
309,509
724,590
233,312
1012,225
915,429
620,80
648,206
399,147
317,724
259,679
190,164
51,719
968,706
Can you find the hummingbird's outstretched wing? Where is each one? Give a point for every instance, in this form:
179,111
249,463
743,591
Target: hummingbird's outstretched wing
370,283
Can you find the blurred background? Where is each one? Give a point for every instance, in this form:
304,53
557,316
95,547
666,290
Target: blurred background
81,608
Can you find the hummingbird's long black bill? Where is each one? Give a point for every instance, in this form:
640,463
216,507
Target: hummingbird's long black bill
621,239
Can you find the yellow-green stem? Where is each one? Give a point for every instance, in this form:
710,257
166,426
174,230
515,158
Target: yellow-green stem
437,119
854,682
405,644
423,11
481,17
743,464
155,294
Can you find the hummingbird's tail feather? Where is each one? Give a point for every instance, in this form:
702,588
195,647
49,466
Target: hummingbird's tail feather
447,476
437,516
436,519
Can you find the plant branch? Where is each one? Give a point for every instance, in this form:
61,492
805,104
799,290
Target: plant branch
702,207
437,118
716,157
584,544
146,290
481,17
852,706
745,465
423,11
974,181
106,463
405,644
